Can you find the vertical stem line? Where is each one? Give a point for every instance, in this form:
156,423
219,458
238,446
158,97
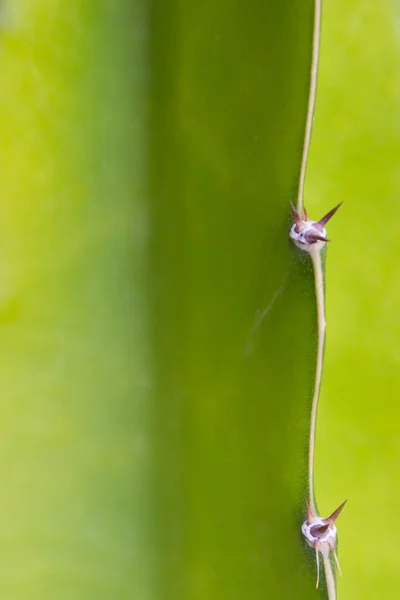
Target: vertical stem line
329,576
320,298
315,253
311,103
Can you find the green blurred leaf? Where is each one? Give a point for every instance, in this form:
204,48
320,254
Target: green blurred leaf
73,367
232,390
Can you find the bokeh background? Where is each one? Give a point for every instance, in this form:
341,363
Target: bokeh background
71,428
355,158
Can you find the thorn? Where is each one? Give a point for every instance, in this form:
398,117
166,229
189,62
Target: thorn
335,514
311,237
310,516
317,558
337,561
306,217
296,218
320,530
321,238
329,215
332,546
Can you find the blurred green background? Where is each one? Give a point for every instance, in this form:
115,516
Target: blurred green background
355,155
73,354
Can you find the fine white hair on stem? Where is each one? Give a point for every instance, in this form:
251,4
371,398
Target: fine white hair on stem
311,102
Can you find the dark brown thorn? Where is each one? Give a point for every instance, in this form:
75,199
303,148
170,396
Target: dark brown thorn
319,531
314,237
296,218
329,215
335,514
321,238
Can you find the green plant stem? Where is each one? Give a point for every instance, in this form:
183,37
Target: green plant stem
329,576
311,104
315,254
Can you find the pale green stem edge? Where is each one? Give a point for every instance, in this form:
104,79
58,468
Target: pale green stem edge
311,104
315,254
